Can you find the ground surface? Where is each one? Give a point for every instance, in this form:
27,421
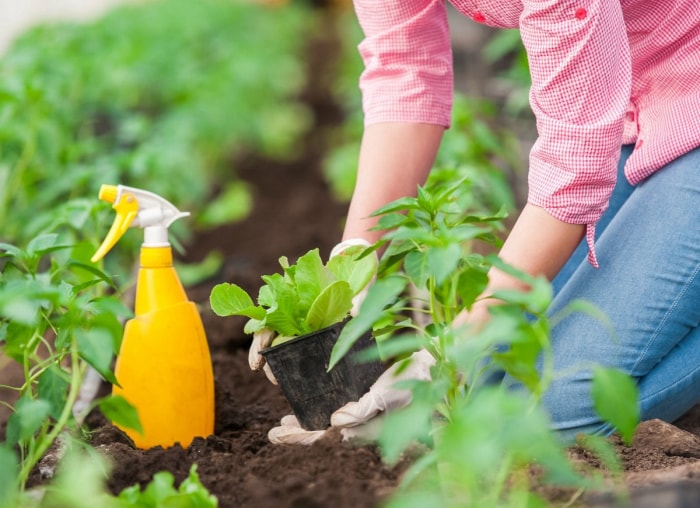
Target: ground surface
293,213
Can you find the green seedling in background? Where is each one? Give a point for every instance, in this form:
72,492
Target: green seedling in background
55,322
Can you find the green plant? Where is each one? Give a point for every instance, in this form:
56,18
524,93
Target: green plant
507,46
55,321
80,482
160,492
163,95
488,444
306,297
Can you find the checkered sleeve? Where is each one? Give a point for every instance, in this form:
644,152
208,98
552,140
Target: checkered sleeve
581,77
408,61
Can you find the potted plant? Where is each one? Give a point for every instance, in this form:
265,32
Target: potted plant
307,306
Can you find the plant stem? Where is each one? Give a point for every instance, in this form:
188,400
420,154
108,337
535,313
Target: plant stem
77,372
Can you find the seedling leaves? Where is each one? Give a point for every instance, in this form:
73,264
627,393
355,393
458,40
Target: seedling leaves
615,398
161,492
229,299
331,306
95,347
10,469
28,417
443,260
351,266
381,294
311,278
53,386
117,409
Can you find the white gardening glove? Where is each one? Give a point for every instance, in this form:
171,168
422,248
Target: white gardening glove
355,419
263,338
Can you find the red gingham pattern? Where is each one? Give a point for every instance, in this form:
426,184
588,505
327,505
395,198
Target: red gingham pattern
604,73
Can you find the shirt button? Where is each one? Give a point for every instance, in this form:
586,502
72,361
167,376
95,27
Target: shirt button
581,13
478,17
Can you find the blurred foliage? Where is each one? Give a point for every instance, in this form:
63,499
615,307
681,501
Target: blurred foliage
159,96
506,48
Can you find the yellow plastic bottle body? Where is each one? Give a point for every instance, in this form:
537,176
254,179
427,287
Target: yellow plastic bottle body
164,365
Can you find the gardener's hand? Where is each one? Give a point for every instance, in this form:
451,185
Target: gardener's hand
355,419
263,338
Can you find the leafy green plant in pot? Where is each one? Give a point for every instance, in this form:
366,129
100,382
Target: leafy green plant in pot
307,306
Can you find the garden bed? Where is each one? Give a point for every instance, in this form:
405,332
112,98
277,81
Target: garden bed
294,211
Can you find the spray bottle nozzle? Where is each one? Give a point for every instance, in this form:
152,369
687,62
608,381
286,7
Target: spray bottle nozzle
108,193
136,207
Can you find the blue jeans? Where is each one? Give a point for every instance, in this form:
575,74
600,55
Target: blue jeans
648,284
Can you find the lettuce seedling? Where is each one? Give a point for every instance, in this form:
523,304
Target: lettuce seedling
304,298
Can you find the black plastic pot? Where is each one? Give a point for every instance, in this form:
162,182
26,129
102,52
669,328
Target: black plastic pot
300,367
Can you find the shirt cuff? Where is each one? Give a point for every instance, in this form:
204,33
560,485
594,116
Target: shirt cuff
590,240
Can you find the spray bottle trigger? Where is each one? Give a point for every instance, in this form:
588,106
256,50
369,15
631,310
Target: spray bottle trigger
127,208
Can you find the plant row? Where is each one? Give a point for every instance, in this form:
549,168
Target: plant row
162,96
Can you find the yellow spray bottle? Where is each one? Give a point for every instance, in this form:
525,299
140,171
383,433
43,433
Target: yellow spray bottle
164,366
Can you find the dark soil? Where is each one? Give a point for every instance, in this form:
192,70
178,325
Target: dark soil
294,212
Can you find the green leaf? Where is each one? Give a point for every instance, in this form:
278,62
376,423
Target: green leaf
352,267
285,315
94,270
471,283
198,494
311,278
405,426
80,480
233,204
20,303
230,299
9,465
396,346
520,358
381,294
536,300
43,243
95,347
616,399
12,250
53,388
331,306
120,412
17,339
29,416
442,261
392,220
161,493
416,267
191,274
405,203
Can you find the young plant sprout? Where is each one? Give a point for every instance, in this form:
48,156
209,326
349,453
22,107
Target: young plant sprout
304,298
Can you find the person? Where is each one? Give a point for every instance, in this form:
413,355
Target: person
613,202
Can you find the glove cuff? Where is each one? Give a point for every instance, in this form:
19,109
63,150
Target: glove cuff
346,244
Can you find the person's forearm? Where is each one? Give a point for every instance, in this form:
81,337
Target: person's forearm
538,244
394,159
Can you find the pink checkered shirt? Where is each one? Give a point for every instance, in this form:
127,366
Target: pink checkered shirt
604,73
